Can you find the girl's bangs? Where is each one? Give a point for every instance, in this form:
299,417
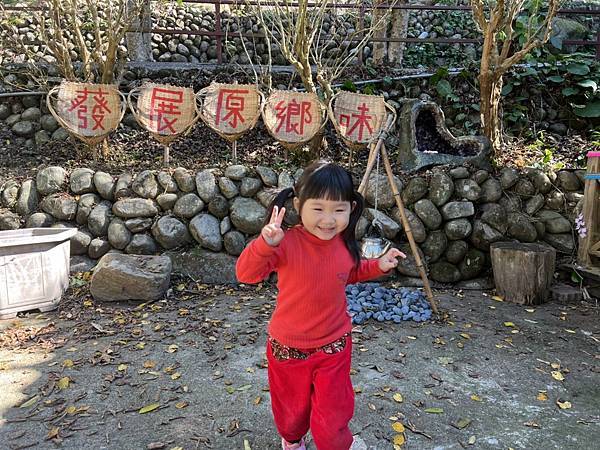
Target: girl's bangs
329,183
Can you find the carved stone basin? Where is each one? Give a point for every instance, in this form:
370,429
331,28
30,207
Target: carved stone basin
425,140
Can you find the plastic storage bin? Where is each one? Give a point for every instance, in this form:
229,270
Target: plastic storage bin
34,268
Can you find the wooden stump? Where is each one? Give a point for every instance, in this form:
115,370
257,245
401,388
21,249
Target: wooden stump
523,273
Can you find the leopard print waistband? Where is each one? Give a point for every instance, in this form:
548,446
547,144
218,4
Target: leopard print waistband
282,352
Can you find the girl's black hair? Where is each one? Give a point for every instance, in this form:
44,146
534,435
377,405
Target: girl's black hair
325,180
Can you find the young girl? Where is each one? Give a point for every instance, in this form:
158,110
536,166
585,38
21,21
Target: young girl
309,345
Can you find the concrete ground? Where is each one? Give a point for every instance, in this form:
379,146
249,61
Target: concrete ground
189,373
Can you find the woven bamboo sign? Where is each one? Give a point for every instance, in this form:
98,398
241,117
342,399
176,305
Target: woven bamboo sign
293,117
88,111
165,111
357,117
230,109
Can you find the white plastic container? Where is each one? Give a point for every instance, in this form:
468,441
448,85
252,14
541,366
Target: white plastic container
34,268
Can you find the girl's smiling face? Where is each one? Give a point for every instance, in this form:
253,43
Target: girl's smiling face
324,218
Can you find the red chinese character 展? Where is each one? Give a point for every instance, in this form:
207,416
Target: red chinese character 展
362,120
98,110
234,105
163,102
294,115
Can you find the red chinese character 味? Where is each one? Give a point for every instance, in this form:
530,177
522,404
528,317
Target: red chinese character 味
362,121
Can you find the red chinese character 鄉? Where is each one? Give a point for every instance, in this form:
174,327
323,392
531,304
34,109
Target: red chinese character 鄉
299,111
362,120
98,110
234,105
163,102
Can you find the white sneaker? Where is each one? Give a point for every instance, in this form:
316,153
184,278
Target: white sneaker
358,443
285,445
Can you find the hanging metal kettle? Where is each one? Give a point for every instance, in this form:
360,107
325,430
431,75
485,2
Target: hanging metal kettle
373,244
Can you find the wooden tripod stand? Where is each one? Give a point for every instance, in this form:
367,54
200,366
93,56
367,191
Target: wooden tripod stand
380,148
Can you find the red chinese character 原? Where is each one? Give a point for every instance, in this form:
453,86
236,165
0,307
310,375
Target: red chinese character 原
233,107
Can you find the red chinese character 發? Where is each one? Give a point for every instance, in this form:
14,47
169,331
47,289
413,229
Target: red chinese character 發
234,105
362,120
163,102
98,110
293,110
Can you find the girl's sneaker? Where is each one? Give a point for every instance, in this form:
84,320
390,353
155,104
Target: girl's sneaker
285,445
358,443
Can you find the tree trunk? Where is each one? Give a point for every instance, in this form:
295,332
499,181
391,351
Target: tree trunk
523,273
399,31
380,32
490,90
139,47
316,144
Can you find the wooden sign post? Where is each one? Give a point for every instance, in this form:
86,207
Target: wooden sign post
166,111
293,118
90,112
361,120
231,110
357,118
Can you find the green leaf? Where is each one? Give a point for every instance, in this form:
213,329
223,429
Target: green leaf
442,72
570,91
76,282
434,410
148,408
578,69
349,86
462,423
588,84
443,87
556,79
589,110
369,89
557,42
507,89
30,402
575,277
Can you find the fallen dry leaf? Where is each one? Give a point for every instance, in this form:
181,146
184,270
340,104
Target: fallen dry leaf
564,405
63,383
398,427
399,440
557,375
148,408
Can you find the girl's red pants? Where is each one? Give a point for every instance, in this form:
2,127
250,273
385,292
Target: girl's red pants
314,393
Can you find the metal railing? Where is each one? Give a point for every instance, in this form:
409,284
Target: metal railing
219,34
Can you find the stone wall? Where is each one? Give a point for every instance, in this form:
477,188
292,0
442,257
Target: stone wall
455,214
240,47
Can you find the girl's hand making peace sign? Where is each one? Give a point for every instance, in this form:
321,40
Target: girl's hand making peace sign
272,233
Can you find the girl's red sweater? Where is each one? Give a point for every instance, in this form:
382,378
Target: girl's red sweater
311,277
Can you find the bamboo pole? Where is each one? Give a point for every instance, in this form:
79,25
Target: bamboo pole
380,147
373,153
408,230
